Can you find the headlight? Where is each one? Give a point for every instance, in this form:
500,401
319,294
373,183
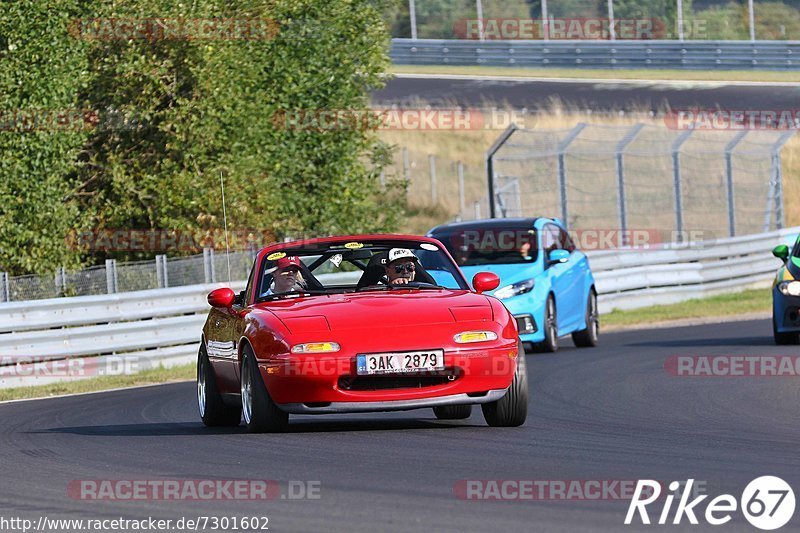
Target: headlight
790,288
316,347
474,336
514,290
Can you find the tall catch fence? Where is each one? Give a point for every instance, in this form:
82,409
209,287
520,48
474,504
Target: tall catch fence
721,182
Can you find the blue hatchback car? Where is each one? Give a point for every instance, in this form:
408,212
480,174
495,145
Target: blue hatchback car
545,281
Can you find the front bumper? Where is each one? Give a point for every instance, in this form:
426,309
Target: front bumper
325,381
786,310
395,405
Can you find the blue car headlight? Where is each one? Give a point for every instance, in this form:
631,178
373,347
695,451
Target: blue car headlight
789,288
515,290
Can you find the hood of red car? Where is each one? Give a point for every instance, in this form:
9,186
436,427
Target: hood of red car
395,308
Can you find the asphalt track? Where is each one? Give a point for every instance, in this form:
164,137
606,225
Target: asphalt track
597,95
610,413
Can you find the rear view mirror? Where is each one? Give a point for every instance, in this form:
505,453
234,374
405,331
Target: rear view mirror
485,281
781,252
221,298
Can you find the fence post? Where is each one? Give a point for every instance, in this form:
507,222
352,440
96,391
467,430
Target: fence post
562,170
111,276
620,164
6,293
678,186
461,192
208,265
406,166
509,131
161,271
432,166
729,178
61,281
477,210
777,177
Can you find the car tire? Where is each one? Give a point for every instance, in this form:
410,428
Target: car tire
213,410
512,409
783,339
587,338
550,342
452,412
260,413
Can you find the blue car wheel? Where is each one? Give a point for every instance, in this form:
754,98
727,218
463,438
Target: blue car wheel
587,338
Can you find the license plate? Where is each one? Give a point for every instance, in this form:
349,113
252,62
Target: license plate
397,363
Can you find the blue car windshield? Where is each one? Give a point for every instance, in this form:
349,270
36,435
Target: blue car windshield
481,245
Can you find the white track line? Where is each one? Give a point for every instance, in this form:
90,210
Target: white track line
94,392
636,82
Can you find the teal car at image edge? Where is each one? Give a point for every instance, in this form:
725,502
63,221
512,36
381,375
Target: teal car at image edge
786,295
545,281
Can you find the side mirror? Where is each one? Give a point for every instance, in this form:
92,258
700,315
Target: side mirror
781,252
221,298
558,256
485,281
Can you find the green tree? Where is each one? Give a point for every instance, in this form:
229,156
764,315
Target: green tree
41,134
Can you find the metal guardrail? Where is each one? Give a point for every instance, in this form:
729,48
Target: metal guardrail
690,55
162,327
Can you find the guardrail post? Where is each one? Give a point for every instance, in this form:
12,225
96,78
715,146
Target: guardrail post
6,292
562,170
509,131
729,177
208,265
620,166
678,186
111,276
432,166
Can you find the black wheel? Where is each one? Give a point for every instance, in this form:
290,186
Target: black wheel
213,410
512,409
783,339
260,413
586,338
452,412
550,342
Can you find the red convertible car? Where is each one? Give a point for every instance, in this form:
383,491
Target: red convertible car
359,324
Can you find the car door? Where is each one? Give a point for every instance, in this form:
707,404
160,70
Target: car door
556,274
573,281
225,329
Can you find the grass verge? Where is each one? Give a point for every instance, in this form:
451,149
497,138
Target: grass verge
620,74
147,377
749,301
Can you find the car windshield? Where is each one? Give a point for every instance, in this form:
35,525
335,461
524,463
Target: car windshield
359,265
482,245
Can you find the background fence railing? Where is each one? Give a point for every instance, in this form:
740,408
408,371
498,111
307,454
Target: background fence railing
113,277
689,55
723,183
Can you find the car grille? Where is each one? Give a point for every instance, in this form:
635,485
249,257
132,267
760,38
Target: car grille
397,381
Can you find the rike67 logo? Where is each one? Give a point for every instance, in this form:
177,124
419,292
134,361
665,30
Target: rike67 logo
767,503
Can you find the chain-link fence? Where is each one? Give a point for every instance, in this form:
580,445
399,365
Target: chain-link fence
724,183
160,272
